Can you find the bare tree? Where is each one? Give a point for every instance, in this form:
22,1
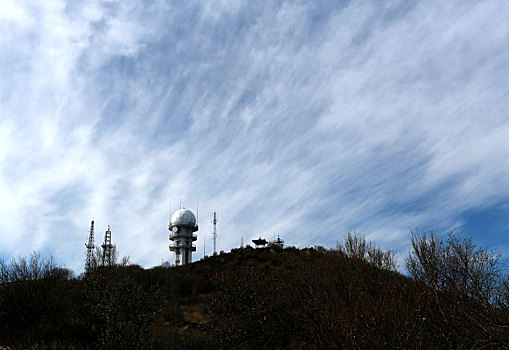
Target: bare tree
456,265
125,261
32,268
98,258
468,287
355,245
31,296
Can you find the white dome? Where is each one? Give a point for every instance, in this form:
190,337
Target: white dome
183,217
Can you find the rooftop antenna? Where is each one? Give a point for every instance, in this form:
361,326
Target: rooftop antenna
214,232
89,264
242,241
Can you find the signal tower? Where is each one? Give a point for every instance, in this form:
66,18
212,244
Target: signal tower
108,249
89,264
214,232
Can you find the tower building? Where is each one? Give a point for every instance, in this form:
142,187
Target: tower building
182,226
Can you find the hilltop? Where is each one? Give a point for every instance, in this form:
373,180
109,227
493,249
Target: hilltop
247,299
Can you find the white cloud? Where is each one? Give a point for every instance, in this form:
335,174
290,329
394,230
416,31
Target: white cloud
304,120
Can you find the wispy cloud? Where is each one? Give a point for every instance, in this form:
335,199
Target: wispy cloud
300,119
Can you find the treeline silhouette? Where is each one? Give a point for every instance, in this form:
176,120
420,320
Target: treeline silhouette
456,296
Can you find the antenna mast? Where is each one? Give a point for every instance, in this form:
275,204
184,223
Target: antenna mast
89,264
108,248
214,232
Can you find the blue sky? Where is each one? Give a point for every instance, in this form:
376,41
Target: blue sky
305,119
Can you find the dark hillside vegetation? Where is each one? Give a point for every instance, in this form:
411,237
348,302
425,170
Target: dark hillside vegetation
266,298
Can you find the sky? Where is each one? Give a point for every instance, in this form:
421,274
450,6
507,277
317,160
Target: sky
304,119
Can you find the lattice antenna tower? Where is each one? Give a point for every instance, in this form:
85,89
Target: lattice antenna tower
107,248
214,231
89,264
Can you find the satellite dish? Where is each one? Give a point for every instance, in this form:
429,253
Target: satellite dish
175,229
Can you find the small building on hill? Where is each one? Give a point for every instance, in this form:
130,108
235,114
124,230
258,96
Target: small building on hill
260,242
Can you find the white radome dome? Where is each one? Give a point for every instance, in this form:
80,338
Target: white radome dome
183,217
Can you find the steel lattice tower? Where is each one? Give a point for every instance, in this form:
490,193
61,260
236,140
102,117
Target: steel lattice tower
89,264
107,248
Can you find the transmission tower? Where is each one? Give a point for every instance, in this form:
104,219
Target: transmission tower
89,264
214,232
108,249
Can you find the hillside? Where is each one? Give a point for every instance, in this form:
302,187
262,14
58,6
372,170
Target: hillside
247,299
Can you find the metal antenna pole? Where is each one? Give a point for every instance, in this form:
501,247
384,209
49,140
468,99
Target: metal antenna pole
107,248
214,232
90,249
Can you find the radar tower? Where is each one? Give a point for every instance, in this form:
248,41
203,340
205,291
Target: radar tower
182,226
